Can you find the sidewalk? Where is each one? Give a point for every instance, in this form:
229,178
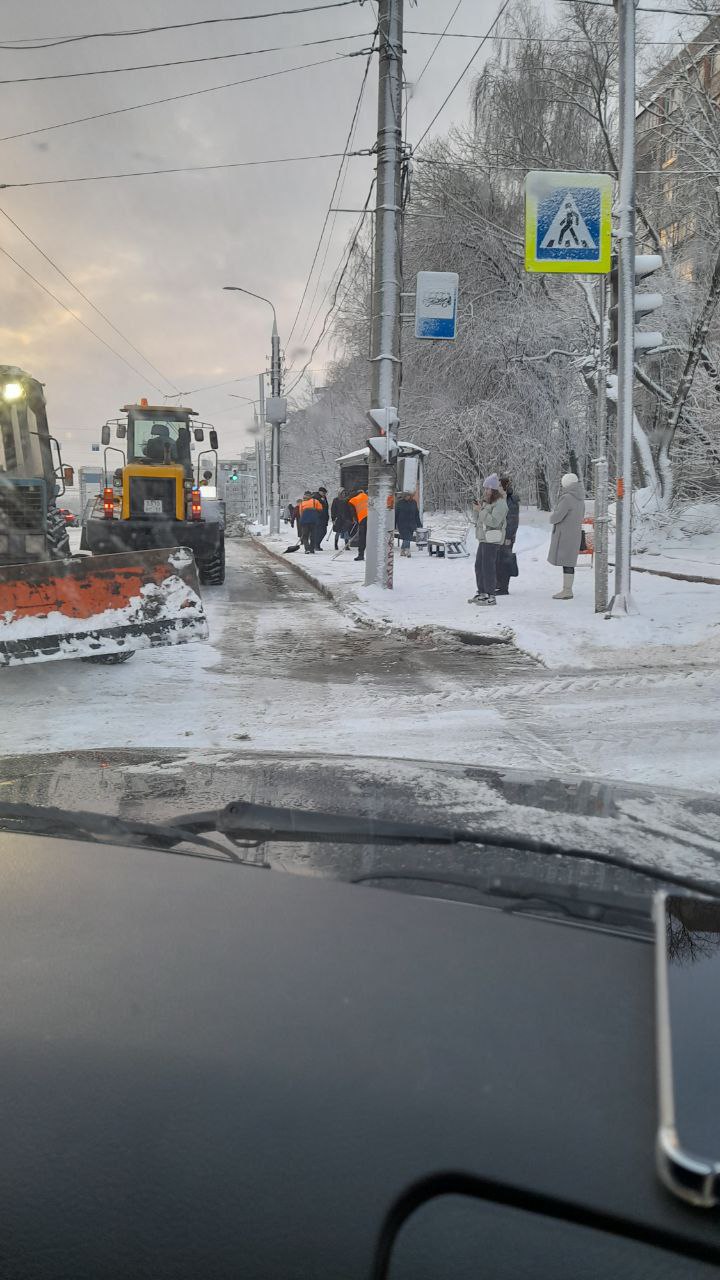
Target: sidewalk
677,622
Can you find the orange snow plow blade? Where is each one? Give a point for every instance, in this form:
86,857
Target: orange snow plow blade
99,605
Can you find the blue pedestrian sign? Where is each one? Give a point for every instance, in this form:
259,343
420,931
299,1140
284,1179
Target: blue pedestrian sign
436,298
568,222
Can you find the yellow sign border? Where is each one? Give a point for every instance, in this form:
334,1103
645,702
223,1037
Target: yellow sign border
600,265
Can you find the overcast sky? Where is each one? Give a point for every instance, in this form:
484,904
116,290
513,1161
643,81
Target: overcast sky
154,252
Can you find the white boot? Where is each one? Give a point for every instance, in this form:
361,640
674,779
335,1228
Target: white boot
567,591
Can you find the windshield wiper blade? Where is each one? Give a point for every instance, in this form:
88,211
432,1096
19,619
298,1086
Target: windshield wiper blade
32,819
243,820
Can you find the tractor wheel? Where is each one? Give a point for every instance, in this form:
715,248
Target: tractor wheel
111,659
57,535
212,569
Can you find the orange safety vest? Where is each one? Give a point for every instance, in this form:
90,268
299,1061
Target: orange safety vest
360,505
309,504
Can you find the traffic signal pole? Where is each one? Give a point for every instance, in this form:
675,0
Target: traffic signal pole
275,381
385,339
600,523
621,603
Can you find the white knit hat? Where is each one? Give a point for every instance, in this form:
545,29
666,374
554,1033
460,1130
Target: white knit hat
492,481
568,479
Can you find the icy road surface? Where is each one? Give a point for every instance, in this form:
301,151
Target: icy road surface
286,671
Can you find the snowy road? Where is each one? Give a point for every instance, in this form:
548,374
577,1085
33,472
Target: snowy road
286,671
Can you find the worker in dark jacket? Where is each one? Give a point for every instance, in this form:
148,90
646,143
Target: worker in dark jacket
343,518
359,503
506,556
321,527
407,520
307,515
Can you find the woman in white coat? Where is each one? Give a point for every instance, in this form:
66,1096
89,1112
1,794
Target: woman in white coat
566,521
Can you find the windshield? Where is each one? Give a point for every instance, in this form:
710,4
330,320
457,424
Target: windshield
450,552
157,438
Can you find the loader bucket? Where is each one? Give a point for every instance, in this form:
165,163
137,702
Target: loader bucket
99,605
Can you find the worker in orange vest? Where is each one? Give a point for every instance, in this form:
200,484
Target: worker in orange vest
359,503
307,514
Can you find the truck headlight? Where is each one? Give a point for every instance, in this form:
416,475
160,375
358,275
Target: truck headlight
34,544
12,391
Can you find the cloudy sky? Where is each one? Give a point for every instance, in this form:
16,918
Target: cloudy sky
154,252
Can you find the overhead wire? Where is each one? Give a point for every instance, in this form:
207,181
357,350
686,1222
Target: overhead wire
345,153
176,97
192,168
687,13
326,323
179,62
87,300
51,42
339,189
441,37
80,320
464,71
605,39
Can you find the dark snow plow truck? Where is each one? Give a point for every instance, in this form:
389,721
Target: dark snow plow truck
55,605
155,499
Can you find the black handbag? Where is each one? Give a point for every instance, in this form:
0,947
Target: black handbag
514,571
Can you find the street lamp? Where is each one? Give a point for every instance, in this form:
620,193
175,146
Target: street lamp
275,385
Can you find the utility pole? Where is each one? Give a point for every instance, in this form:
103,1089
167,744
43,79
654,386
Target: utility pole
600,526
626,307
263,445
275,380
385,338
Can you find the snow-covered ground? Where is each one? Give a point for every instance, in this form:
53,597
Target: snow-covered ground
286,671
675,623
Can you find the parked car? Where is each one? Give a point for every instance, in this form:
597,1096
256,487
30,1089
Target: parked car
71,520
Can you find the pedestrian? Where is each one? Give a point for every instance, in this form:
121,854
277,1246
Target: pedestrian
290,514
407,520
506,555
490,529
343,518
566,539
358,500
321,527
307,514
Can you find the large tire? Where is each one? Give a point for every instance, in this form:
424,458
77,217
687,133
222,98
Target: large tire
212,568
57,535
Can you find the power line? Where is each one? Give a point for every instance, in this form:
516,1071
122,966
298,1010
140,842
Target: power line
85,298
176,97
688,13
610,38
346,152
195,391
348,144
196,168
442,35
22,45
465,69
179,62
79,319
341,277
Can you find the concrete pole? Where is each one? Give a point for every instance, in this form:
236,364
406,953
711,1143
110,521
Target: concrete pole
626,306
275,380
600,527
385,350
263,445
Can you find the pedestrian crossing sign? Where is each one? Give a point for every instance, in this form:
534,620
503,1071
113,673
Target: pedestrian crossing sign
568,222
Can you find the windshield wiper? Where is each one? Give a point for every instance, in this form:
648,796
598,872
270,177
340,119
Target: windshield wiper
256,824
102,828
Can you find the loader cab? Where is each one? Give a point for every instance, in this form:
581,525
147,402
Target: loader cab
159,436
32,476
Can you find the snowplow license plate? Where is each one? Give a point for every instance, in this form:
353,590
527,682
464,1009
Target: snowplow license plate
153,506
95,605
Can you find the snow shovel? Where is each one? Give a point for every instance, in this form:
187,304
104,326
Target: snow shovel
349,543
101,608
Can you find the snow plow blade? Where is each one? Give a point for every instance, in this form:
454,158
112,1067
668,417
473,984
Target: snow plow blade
99,605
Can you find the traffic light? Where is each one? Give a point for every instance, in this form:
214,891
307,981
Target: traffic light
645,303
234,477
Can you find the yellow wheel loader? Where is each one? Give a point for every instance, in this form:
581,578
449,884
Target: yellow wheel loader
54,605
155,498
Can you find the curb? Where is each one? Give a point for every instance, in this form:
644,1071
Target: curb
666,573
465,637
